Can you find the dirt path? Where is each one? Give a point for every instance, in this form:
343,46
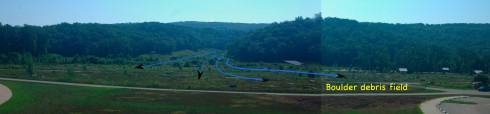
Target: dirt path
5,94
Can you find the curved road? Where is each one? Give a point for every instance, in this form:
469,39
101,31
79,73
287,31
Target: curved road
447,91
430,107
5,94
480,108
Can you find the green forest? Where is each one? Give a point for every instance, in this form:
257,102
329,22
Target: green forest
111,40
369,46
94,42
290,40
418,47
382,47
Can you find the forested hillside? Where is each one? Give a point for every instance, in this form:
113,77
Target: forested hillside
418,47
110,40
330,41
370,46
297,40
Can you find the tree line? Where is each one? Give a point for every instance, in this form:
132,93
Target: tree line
107,40
329,41
369,46
290,40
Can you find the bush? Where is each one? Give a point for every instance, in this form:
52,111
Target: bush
70,72
481,78
30,67
176,64
311,75
187,64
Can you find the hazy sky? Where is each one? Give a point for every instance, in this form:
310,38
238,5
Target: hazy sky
47,12
409,11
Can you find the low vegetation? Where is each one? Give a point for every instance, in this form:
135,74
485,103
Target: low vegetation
459,102
183,75
31,98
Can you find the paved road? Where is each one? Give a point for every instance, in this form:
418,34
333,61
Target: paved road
5,94
430,107
448,91
481,108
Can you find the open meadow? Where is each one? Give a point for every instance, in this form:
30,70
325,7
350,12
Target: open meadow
183,75
47,98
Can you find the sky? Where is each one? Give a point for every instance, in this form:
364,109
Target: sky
409,11
48,12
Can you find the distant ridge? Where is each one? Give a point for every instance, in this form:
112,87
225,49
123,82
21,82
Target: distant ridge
222,25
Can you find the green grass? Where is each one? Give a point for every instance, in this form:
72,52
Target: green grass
46,98
31,98
405,110
374,104
482,96
171,76
167,76
459,102
38,98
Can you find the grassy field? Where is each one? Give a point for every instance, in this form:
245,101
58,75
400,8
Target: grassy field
458,102
167,76
31,98
183,75
373,104
45,98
